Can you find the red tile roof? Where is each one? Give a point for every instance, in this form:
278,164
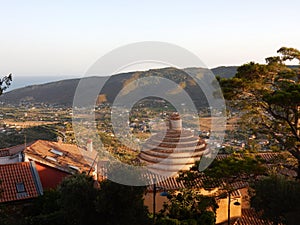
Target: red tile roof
250,217
171,183
4,152
65,157
23,173
11,150
267,156
270,158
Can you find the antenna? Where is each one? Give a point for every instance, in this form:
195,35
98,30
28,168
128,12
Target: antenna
25,138
93,164
24,130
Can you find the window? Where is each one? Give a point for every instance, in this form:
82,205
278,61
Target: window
56,152
21,192
20,187
51,158
74,167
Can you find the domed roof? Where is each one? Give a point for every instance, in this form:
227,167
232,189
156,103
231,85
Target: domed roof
175,116
176,149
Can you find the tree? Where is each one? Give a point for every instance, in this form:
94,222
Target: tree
277,197
188,207
223,173
80,200
269,96
77,199
45,210
72,203
5,83
119,204
3,216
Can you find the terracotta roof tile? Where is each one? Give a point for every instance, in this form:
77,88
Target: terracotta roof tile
4,152
62,156
23,174
171,183
250,217
11,150
267,156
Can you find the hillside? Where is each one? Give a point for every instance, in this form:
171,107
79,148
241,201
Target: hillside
62,92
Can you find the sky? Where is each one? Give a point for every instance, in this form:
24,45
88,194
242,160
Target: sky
64,38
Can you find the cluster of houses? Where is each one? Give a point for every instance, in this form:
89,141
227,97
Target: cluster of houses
26,171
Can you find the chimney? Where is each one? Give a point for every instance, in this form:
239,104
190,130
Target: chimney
175,122
89,145
59,139
95,174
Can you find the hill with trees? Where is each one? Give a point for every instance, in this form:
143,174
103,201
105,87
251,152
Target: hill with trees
62,92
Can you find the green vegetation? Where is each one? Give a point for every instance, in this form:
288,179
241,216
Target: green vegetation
188,208
118,204
17,137
269,97
265,98
222,173
61,93
5,83
278,198
20,124
78,201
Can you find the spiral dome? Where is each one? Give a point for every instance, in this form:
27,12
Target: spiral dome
176,149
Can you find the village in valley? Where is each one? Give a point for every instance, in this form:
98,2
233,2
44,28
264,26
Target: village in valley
149,112
40,153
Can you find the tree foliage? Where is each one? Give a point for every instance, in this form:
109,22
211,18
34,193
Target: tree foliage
78,201
222,173
71,203
269,96
5,83
277,197
188,207
235,168
119,204
77,196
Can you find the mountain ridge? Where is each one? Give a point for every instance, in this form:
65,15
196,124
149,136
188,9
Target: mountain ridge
62,92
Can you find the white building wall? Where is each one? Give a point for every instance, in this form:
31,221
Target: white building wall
11,159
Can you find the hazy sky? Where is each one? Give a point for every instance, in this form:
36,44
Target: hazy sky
61,38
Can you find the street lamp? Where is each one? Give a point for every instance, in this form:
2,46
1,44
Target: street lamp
164,193
229,201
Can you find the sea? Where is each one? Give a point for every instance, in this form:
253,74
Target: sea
20,81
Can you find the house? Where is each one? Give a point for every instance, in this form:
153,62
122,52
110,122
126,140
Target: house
55,160
19,181
179,149
164,155
165,184
12,155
